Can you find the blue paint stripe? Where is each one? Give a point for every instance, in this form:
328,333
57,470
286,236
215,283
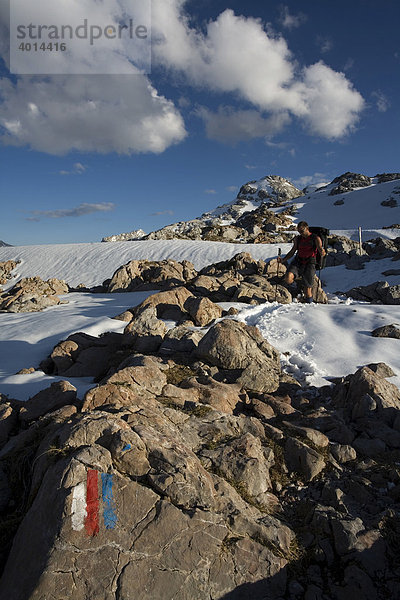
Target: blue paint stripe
109,516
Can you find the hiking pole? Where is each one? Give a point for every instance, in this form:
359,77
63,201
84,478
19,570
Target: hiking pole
277,273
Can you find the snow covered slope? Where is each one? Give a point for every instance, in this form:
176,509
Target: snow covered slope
361,207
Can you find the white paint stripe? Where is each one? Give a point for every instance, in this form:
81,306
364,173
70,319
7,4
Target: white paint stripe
78,510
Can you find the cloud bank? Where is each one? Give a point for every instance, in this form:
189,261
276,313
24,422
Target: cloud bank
78,211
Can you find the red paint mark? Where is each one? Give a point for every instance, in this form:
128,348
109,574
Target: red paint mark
92,503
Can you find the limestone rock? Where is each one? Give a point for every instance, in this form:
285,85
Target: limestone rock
59,394
6,268
304,460
378,292
343,452
147,275
388,331
381,369
218,288
145,332
32,294
180,339
349,181
202,311
168,305
232,345
220,396
83,355
261,292
245,462
364,393
315,436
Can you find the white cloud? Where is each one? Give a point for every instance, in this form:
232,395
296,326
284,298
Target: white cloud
232,188
77,169
325,44
331,104
232,126
162,212
291,21
89,114
78,211
260,69
382,103
349,64
316,178
210,191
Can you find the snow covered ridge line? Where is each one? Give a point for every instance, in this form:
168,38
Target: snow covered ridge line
264,208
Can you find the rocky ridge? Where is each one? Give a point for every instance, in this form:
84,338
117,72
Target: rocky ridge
254,200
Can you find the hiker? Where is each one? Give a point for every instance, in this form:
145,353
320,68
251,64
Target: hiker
306,246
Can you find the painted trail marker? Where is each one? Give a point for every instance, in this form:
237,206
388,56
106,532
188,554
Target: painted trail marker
88,501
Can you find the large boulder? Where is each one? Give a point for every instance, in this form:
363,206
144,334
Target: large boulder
219,288
387,331
32,294
235,346
245,462
302,459
180,339
6,268
148,275
203,311
145,332
60,393
124,507
221,396
84,355
241,264
257,290
367,394
379,292
169,304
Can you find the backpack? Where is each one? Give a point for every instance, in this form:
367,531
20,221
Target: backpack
322,233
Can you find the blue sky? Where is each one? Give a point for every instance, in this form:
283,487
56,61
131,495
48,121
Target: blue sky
303,89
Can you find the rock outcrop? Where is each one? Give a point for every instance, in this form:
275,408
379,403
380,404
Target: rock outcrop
379,292
6,269
32,294
245,220
348,182
144,275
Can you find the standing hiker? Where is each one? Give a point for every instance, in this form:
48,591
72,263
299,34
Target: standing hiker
306,246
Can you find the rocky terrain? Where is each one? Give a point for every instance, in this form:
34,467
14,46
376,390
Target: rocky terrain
195,468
